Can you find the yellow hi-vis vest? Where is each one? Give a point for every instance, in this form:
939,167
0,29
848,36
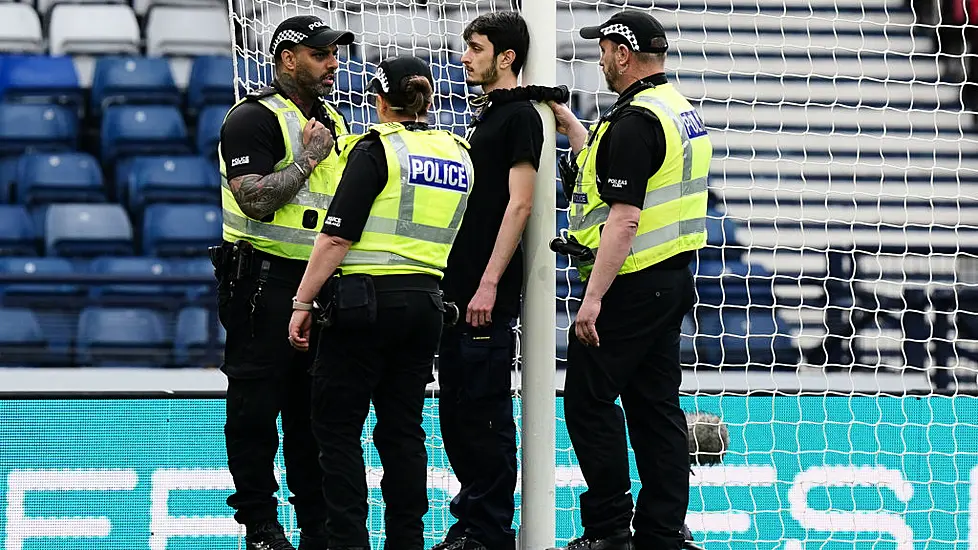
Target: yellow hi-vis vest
291,232
415,218
673,217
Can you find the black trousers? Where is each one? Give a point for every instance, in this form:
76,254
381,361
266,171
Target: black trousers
266,377
476,415
388,362
638,360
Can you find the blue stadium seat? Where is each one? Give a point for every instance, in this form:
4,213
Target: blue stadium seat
59,177
171,179
253,72
732,282
181,229
132,80
142,266
130,130
21,340
8,179
190,341
352,79
687,348
741,336
210,83
88,230
198,268
40,79
121,337
18,236
25,127
721,236
449,75
360,118
209,129
36,293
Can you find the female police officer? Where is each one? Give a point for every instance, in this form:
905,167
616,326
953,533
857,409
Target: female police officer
388,232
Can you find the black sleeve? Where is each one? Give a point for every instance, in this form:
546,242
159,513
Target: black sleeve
363,179
525,137
251,141
622,176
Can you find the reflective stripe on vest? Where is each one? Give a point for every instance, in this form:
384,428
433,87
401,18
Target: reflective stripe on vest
285,235
404,227
585,219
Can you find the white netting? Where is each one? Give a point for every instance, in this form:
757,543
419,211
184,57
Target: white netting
843,230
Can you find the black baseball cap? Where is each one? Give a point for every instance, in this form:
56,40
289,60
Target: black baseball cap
633,28
393,71
307,30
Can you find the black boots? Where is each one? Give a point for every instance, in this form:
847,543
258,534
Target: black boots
267,536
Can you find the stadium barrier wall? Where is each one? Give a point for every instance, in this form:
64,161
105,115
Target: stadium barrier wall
805,471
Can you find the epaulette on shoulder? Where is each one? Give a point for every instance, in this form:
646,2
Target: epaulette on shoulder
387,128
261,93
461,140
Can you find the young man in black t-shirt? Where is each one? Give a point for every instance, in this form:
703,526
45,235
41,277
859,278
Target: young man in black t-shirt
485,278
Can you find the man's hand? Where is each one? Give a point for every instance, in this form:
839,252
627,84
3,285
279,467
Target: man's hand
479,313
568,125
299,328
587,316
317,142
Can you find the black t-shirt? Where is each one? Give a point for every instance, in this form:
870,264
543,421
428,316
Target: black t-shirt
631,150
252,140
507,134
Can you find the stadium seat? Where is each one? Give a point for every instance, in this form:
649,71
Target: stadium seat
172,179
93,29
190,341
200,269
132,80
21,340
35,293
129,130
449,76
37,127
140,266
8,179
732,282
88,230
211,82
721,237
121,337
188,31
738,336
209,129
44,7
40,79
181,229
20,29
17,232
59,177
143,7
253,73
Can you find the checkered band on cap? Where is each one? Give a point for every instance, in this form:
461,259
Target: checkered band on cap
291,36
622,30
382,78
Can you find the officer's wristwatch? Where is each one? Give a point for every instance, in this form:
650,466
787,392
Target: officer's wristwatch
300,306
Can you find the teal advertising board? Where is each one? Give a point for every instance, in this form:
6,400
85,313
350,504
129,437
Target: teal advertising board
802,473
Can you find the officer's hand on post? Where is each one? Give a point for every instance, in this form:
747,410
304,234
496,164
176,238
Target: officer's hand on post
317,141
584,324
299,328
479,312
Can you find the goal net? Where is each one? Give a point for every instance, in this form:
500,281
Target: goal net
840,272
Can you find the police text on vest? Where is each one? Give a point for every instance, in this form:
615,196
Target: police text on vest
693,124
440,173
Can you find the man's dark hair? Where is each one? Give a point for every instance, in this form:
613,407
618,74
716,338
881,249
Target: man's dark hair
506,30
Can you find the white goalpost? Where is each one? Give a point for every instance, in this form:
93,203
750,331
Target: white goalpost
836,291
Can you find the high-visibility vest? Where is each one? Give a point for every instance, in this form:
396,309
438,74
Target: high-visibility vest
290,232
415,218
673,216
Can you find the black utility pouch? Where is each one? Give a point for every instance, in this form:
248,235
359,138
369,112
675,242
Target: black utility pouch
353,301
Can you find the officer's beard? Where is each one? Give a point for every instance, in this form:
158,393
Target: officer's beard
310,85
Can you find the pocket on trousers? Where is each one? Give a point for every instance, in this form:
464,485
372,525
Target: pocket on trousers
487,361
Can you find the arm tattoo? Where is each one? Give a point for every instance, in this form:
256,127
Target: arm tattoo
259,196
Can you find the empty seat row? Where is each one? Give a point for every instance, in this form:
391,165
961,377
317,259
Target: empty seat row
88,230
109,336
96,29
126,130
69,177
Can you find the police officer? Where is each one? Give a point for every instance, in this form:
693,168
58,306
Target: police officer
387,235
277,158
638,209
485,277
